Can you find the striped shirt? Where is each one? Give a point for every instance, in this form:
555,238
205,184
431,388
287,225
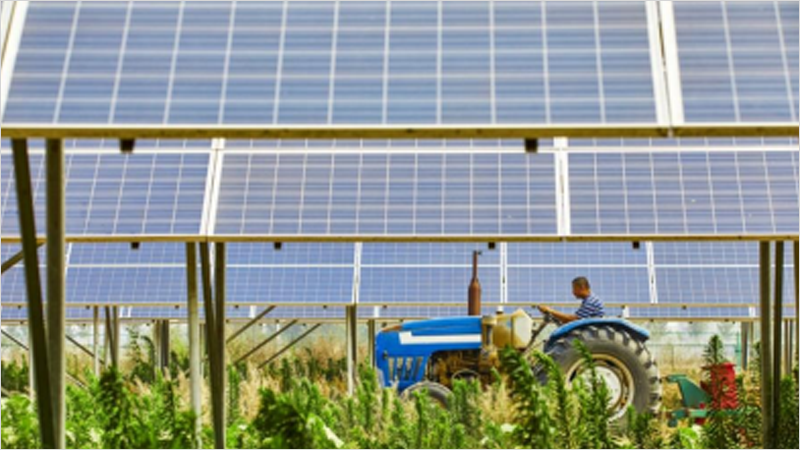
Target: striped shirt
591,306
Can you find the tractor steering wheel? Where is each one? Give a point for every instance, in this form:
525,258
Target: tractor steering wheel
549,318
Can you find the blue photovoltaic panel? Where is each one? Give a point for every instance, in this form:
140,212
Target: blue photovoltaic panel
738,60
459,255
383,145
291,254
387,195
20,314
707,253
747,143
687,193
126,286
9,250
619,286
713,253
155,253
13,289
292,286
684,314
576,254
425,285
112,194
711,285
334,63
418,312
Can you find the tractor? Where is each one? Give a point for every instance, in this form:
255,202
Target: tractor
431,354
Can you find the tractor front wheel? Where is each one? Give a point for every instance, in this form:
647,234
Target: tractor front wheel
622,362
437,392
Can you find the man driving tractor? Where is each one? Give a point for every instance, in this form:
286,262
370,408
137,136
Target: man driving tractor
591,305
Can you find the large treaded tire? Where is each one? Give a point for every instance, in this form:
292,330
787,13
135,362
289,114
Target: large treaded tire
437,392
619,345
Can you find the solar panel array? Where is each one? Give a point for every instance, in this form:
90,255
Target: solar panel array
418,63
681,281
334,62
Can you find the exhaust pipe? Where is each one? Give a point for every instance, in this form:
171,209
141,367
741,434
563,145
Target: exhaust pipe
475,291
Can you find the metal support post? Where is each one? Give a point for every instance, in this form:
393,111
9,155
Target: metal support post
745,345
371,337
777,332
211,345
165,348
767,410
352,347
195,369
219,320
796,294
36,323
96,340
56,282
111,337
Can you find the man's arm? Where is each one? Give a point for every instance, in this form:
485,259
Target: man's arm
558,315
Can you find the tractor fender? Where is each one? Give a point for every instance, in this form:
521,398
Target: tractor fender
638,333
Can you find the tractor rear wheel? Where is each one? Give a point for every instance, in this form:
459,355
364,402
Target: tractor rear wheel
623,363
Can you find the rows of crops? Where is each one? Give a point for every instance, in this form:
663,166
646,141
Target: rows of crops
301,402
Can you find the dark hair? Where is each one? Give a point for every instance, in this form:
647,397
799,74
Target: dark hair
581,282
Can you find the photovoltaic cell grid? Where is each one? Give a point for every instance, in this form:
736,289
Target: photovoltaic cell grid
543,272
738,61
383,145
387,195
709,273
20,314
684,193
112,194
334,63
683,143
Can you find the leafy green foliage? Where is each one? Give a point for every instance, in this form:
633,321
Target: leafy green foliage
16,376
788,420
302,404
20,425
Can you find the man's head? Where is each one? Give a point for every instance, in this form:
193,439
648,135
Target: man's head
581,288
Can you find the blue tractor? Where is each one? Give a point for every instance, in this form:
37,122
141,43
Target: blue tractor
431,354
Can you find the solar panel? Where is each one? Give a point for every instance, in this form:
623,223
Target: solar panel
291,254
710,285
126,285
616,286
386,195
295,286
738,61
419,63
20,314
147,254
425,286
695,313
744,143
421,255
684,193
110,194
383,145
575,254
